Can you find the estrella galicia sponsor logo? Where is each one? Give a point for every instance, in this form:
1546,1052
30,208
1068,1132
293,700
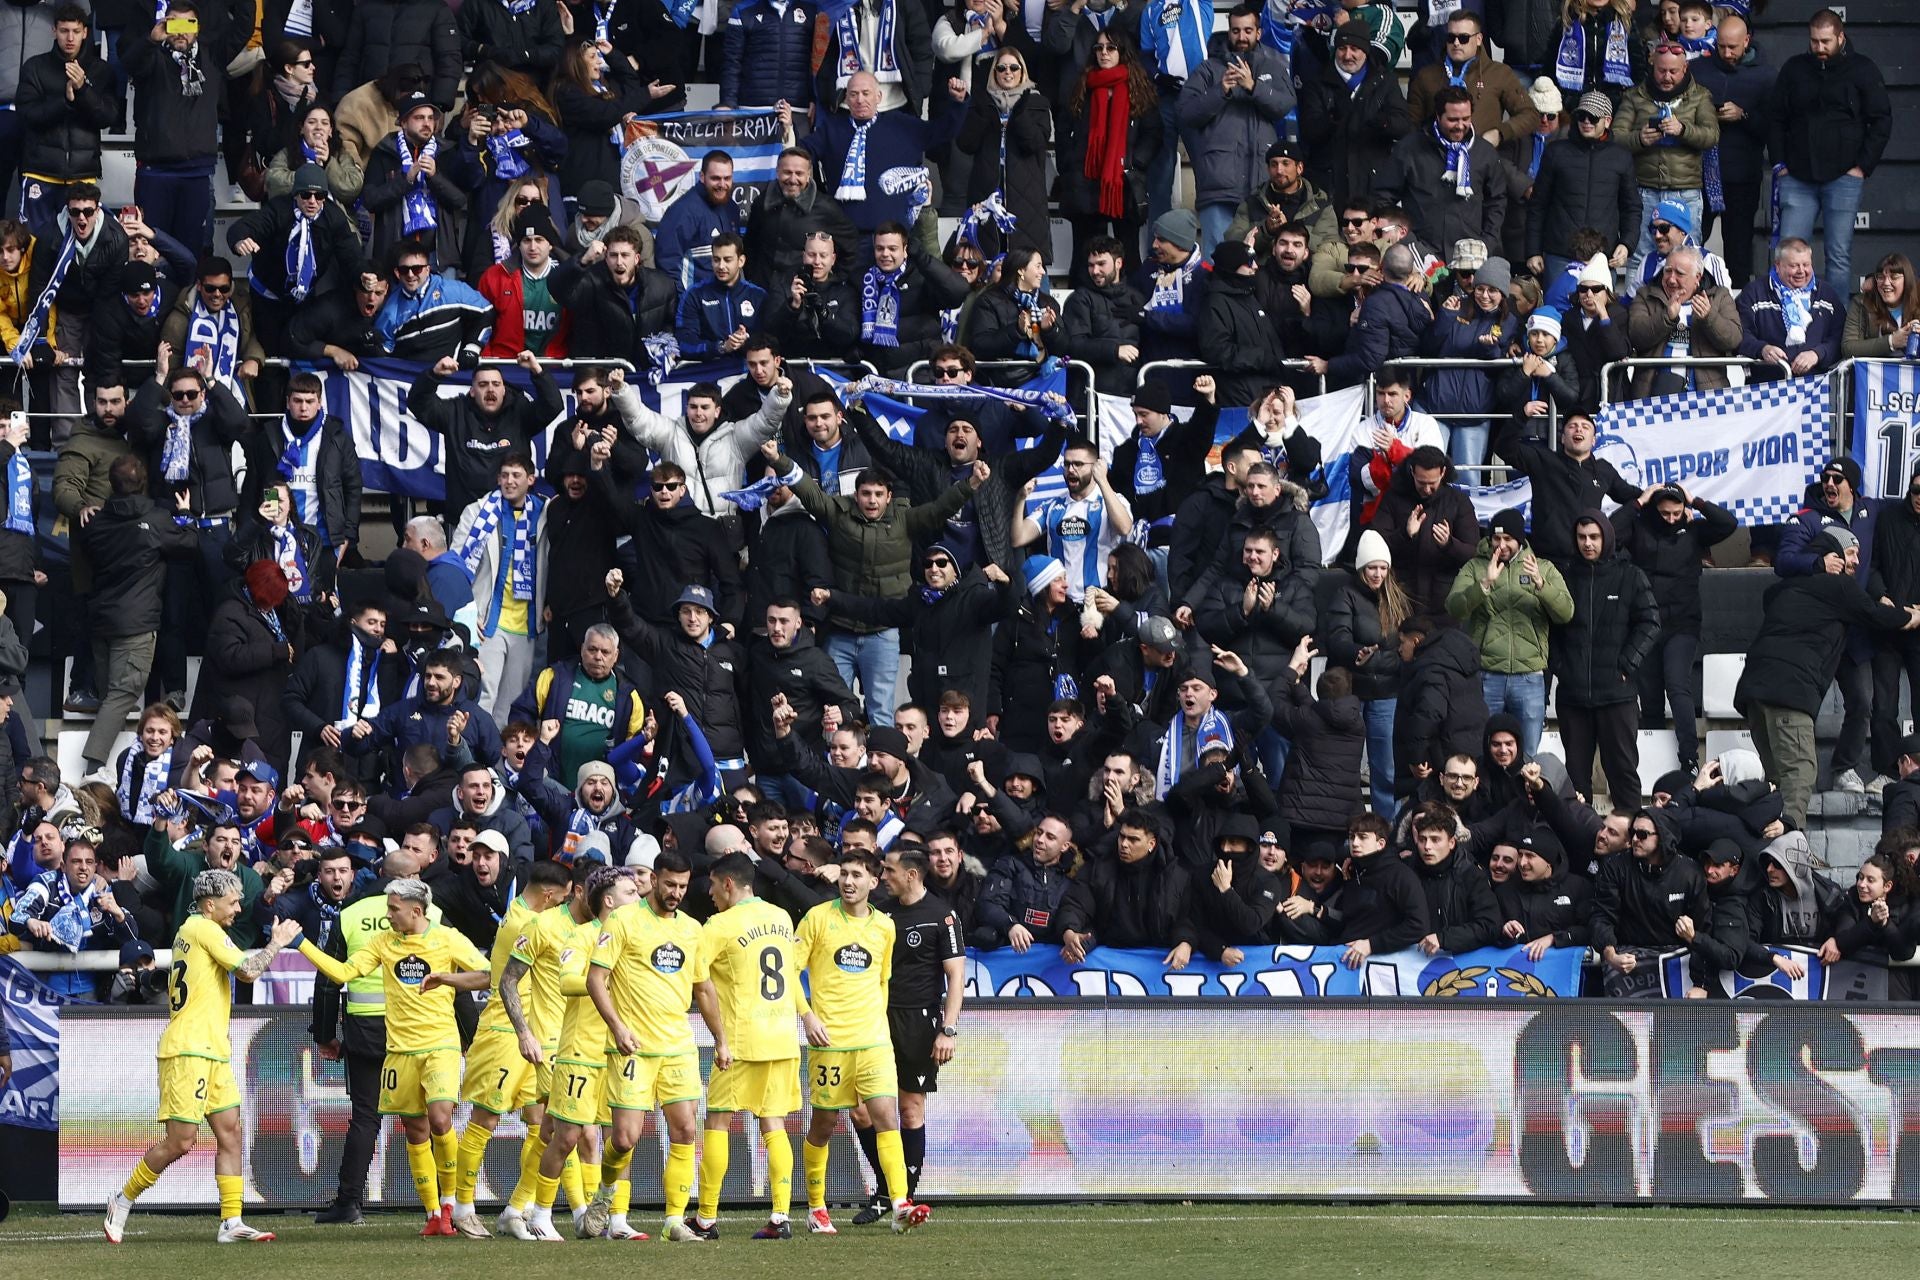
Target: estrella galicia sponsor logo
411,970
668,958
853,958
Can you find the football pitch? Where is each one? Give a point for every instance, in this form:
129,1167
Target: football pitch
1180,1242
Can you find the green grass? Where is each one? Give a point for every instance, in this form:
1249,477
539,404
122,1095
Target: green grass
1002,1243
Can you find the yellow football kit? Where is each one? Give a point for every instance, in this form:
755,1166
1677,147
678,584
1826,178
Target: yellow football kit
196,1078
848,961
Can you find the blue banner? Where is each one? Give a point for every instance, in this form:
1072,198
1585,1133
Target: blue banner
1492,972
1886,431
30,1099
1804,976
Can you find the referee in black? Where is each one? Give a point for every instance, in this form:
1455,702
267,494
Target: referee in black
923,1010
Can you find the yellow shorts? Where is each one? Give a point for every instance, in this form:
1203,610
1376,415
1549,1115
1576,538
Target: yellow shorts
410,1081
498,1079
641,1082
767,1089
578,1094
543,1076
191,1089
841,1079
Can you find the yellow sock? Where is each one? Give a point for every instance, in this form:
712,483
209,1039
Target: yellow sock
677,1180
545,1191
893,1163
472,1150
231,1190
713,1171
613,1174
446,1159
139,1180
779,1171
425,1182
571,1178
815,1159
530,1153
589,1180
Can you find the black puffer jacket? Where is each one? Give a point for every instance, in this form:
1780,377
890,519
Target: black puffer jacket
1352,623
1460,906
1427,568
477,441
1441,711
1670,556
1348,135
386,33
1636,900
168,126
606,325
1240,340
994,327
1583,182
1146,904
1381,901
210,462
1237,915
61,138
951,639
1561,906
1321,785
1615,623
529,42
807,677
1265,638
128,541
1562,489
244,659
1020,891
704,675
1031,650
1289,517
1199,527
91,281
777,236
1096,322
1022,178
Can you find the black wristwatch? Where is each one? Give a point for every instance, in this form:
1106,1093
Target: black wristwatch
950,1032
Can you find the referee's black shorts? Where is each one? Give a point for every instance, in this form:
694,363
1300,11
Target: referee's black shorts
913,1032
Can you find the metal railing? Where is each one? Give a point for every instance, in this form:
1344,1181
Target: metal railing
1079,366
1607,371
1491,368
1151,366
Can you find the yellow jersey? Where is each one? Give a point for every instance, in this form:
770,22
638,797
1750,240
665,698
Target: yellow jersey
849,961
540,945
566,949
512,925
749,954
418,1020
654,962
200,998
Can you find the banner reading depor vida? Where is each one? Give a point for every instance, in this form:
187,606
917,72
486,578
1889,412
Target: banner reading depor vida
1489,973
1886,425
30,1099
660,155
1751,449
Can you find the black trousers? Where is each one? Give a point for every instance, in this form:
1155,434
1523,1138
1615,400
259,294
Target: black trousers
1891,657
1737,228
363,1050
1856,696
1668,671
1614,729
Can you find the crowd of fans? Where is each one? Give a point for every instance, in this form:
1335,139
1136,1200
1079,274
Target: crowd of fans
686,631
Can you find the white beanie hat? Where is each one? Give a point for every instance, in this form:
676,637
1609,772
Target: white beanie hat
1597,271
1373,550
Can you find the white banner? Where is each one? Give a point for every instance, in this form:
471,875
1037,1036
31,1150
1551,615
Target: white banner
1751,449
1886,426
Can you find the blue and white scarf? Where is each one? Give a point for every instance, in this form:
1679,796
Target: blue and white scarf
1570,63
993,209
508,152
36,323
329,912
1711,183
1176,756
176,451
299,466
880,307
755,495
492,510
1459,163
138,805
360,691
978,22
301,265
1171,295
1456,79
603,21
582,823
1148,475
72,920
853,171
1032,312
271,618
889,829
292,559
914,183
519,8
682,12
419,210
886,68
218,334
299,23
1796,308
19,494
955,391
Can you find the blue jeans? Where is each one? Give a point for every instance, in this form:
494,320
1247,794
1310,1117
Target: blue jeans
1273,751
1214,221
875,659
1523,697
1467,446
1165,167
1835,202
180,206
1650,200
1379,714
786,791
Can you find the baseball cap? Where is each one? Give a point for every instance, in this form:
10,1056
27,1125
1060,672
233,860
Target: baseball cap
1721,850
492,840
1160,633
9,687
696,594
132,953
260,771
1910,745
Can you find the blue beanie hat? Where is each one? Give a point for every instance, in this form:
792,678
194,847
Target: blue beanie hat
1040,571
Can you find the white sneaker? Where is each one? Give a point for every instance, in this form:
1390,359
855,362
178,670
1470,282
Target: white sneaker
1849,782
622,1231
468,1224
1879,785
116,1224
234,1231
676,1231
599,1212
512,1222
907,1215
543,1229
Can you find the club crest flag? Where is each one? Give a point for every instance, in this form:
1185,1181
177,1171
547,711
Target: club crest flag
660,155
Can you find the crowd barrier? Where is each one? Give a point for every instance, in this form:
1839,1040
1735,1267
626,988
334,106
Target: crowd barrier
1201,366
1074,367
1696,1102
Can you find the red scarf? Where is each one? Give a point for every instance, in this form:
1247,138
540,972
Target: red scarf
1107,113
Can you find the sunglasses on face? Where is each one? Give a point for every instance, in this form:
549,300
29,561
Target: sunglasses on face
948,371
1008,66
412,269
521,202
1662,228
304,62
1591,288
1359,268
1644,833
669,486
83,213
1460,37
940,562
348,803
1353,222
968,264
1585,118
216,288
187,393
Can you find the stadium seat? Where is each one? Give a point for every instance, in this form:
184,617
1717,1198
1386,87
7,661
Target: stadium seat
1722,740
1658,754
74,741
1720,675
